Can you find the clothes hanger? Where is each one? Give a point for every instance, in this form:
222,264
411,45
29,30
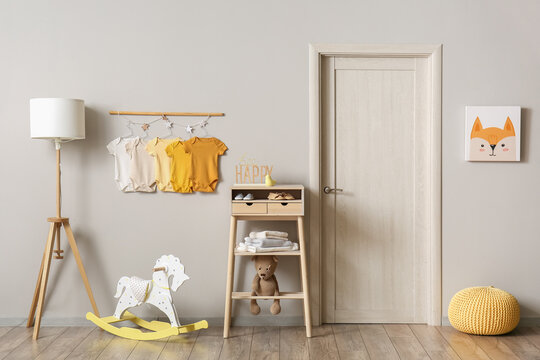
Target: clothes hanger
145,128
202,127
128,125
169,126
190,129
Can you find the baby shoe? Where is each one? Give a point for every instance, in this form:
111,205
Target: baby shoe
272,196
249,197
288,196
239,197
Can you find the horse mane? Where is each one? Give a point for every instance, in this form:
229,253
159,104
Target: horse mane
170,260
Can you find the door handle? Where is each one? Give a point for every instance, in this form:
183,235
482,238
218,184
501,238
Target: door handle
328,190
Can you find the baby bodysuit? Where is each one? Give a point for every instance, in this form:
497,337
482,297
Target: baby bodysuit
180,167
204,162
141,172
117,148
162,162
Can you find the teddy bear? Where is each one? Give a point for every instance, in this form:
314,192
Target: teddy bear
265,282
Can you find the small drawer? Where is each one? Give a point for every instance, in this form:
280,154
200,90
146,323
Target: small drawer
248,208
285,208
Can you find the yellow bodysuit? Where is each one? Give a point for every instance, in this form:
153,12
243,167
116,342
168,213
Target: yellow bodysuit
180,167
156,148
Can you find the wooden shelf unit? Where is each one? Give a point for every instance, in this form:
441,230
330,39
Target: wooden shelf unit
260,208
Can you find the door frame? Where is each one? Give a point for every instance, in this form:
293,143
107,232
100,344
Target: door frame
433,52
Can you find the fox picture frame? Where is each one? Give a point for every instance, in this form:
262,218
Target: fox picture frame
492,133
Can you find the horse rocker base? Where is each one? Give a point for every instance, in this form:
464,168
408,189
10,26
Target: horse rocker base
131,292
158,329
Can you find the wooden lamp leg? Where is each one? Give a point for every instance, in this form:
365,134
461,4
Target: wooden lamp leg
44,279
30,321
77,256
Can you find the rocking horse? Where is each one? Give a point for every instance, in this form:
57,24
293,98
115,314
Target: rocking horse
135,291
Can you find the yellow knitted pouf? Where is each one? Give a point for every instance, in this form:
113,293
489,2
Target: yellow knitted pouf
483,310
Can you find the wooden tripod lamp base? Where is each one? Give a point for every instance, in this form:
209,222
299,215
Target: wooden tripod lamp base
41,286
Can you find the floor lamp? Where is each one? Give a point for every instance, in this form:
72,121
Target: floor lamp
60,120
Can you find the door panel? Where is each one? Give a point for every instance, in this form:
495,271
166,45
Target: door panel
374,246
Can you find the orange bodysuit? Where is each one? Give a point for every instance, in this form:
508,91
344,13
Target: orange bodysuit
204,162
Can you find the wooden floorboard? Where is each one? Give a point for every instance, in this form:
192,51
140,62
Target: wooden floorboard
92,346
4,330
349,342
293,343
434,343
65,343
532,334
179,347
238,345
329,342
378,343
520,345
208,345
265,343
30,349
462,344
405,342
118,349
12,339
147,350
494,347
322,345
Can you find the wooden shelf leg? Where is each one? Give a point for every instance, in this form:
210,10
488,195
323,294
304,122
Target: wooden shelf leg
230,278
303,265
77,256
44,278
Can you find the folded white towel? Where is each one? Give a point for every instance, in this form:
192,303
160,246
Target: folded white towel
266,242
268,234
256,249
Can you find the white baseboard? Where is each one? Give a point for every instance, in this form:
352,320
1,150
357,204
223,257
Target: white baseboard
260,320
12,321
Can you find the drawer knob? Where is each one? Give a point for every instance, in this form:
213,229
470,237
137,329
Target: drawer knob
249,204
284,204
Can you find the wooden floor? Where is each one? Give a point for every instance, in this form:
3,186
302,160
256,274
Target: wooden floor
329,342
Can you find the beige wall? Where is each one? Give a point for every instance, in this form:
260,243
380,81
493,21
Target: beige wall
250,60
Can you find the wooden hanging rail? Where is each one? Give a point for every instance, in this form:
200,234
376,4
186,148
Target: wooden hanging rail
164,113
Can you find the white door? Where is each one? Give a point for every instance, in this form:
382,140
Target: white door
375,137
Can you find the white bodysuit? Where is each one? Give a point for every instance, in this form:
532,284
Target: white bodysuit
117,148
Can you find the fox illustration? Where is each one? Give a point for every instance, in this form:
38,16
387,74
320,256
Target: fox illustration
493,143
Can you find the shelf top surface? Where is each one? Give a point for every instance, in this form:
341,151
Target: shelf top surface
264,187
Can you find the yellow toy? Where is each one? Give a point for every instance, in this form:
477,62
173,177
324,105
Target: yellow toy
268,181
135,291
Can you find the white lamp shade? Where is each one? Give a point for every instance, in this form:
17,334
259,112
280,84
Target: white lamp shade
57,118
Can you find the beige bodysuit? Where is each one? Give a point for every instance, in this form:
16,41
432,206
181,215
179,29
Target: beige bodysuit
142,171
